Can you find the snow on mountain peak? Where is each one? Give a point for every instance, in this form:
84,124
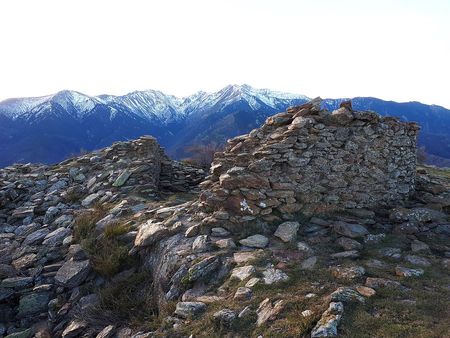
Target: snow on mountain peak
148,104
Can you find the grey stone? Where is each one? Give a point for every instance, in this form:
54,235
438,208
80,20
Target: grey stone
255,241
272,276
224,318
243,272
327,326
350,230
407,272
33,303
56,237
287,231
73,273
190,309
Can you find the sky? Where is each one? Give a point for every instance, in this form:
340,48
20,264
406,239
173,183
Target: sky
391,49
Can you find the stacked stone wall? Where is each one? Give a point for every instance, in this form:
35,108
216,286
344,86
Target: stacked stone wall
312,161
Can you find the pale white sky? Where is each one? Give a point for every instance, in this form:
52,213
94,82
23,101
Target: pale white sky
391,49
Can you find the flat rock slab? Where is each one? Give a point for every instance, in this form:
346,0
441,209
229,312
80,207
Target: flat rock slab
255,241
350,230
272,276
73,273
407,272
328,323
190,309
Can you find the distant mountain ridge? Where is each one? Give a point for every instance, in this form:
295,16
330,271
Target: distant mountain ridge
50,128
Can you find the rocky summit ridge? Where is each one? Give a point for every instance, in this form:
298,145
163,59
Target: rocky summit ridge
317,224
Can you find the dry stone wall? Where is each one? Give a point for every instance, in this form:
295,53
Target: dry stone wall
311,160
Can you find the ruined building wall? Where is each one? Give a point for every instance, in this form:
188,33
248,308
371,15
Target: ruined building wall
310,160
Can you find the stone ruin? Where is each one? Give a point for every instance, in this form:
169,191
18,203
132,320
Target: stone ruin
312,161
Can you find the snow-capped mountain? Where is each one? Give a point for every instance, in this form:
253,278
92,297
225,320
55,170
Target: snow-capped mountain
51,128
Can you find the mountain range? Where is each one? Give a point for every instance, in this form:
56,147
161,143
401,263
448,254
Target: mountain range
51,128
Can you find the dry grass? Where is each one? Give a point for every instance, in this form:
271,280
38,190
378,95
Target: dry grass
106,252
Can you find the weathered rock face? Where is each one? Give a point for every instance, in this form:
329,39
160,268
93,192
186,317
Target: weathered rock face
310,160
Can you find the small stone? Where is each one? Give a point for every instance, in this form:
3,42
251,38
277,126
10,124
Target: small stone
243,293
348,272
307,313
21,334
73,273
328,323
365,291
224,318
407,272
417,260
201,244
56,237
417,246
107,332
243,272
376,283
189,309
346,295
287,231
252,282
348,243
74,329
305,248
192,231
272,276
36,237
255,241
123,177
219,232
16,282
247,256
309,263
33,303
346,254
90,199
268,311
350,230
226,243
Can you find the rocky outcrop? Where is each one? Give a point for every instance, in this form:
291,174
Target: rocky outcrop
41,268
312,161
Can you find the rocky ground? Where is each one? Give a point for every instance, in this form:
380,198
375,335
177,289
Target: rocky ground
89,249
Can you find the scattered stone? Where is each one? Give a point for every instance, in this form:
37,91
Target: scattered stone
309,263
123,177
73,273
255,241
190,309
219,232
224,318
307,313
243,272
247,256
417,260
346,254
107,332
346,295
252,282
328,324
305,248
348,272
350,230
268,311
365,291
201,244
74,329
272,276
226,243
348,244
33,303
287,231
407,272
89,200
243,293
417,246
376,283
